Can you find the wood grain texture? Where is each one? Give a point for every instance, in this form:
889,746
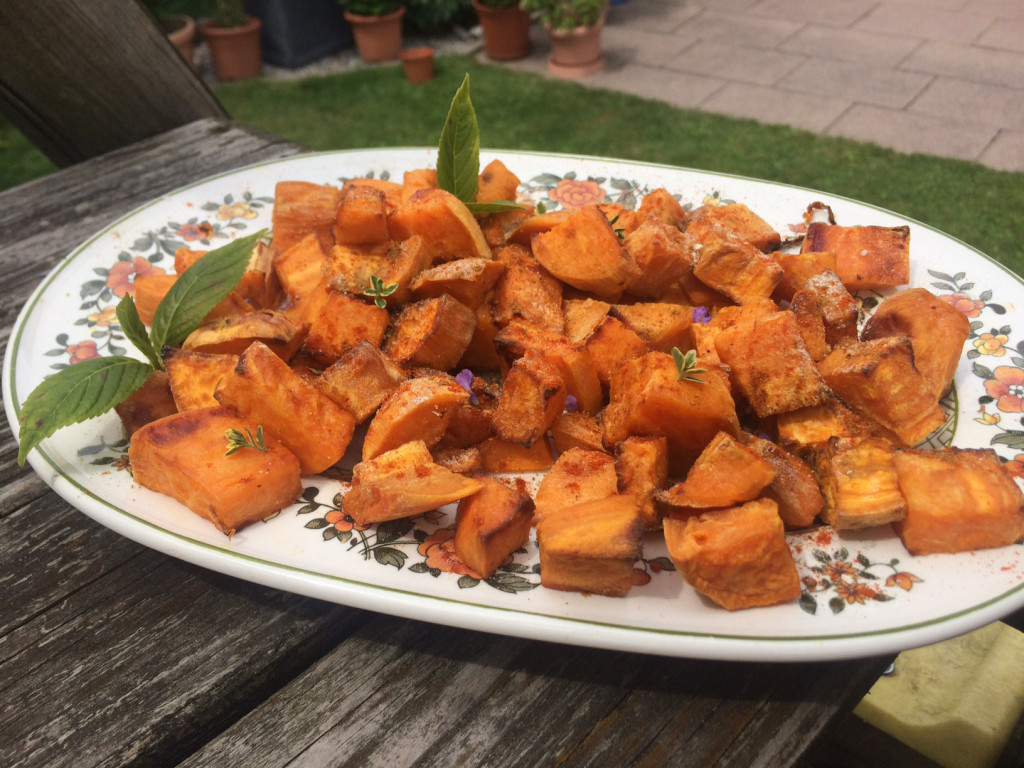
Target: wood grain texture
83,77
112,654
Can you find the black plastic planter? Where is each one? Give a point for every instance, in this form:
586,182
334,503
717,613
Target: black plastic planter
298,32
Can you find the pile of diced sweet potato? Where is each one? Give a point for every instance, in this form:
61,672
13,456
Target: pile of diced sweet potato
521,342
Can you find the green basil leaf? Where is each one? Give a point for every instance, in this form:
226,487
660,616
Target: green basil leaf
495,206
135,330
199,289
458,155
77,393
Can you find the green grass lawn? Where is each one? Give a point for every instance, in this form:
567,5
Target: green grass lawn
377,107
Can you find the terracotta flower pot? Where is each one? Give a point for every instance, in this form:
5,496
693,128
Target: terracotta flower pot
236,51
181,31
506,32
378,38
576,52
418,64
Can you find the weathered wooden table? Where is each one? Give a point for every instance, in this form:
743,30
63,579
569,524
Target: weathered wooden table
113,654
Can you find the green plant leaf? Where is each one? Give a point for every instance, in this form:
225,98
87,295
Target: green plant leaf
495,206
135,331
458,152
77,393
199,289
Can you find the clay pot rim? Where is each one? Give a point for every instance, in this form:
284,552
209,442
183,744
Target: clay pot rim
419,52
209,27
349,16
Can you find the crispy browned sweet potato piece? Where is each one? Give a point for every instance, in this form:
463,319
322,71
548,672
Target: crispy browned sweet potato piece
878,379
646,397
798,268
736,556
353,267
808,429
301,268
582,316
362,216
701,295
344,321
465,461
958,500
523,232
361,380
770,365
492,524
448,229
734,267
585,252
496,182
403,482
233,335
432,333
415,180
811,325
577,475
641,464
611,344
418,409
480,355
867,258
937,332
497,455
151,401
662,326
394,192
576,430
532,395
859,483
660,204
795,489
738,220
725,474
301,207
662,253
194,375
264,389
838,308
468,281
526,290
184,456
591,547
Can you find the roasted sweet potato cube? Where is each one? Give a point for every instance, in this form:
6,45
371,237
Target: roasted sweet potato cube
415,180
465,461
611,344
958,500
527,290
151,401
809,429
265,390
532,395
735,268
301,207
403,482
937,332
300,268
233,335
878,379
497,455
839,310
591,547
662,326
418,409
701,295
585,252
738,220
859,483
149,292
577,475
576,429
795,488
184,456
471,422
194,376
582,316
641,465
662,254
497,226
523,232
770,364
432,333
396,264
867,257
448,229
468,281
491,525
480,355
394,193
662,205
496,182
343,322
798,268
725,474
361,380
736,556
362,217
810,324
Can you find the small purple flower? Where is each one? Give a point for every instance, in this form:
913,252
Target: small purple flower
701,315
571,404
465,380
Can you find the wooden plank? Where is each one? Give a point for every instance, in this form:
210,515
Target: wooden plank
83,77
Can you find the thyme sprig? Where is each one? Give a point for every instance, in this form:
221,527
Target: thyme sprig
686,366
237,441
379,291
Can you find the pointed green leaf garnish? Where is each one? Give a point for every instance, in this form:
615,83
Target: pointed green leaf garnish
237,441
135,331
199,289
495,206
458,152
77,393
686,366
